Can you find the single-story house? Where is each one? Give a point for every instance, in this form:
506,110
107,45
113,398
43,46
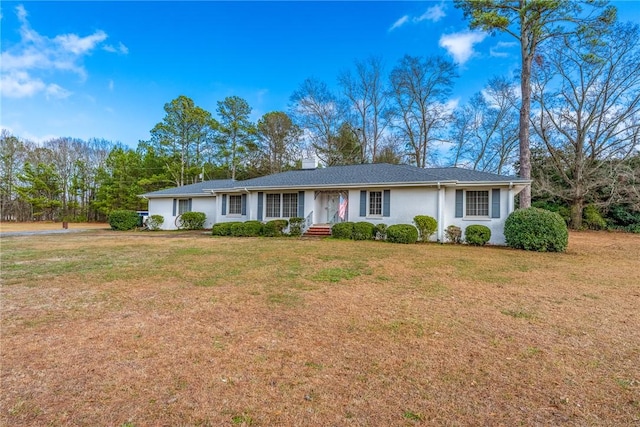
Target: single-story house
377,193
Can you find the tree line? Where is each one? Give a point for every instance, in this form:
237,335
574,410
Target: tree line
582,126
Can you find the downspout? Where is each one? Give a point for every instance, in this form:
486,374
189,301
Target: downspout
440,234
510,201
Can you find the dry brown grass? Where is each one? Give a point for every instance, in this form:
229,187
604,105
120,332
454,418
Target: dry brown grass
106,328
10,226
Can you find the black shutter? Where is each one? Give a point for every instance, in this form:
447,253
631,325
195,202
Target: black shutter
244,204
175,202
260,205
495,203
363,203
190,209
459,196
224,204
386,203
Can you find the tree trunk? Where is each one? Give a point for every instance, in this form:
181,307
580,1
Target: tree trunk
577,205
525,111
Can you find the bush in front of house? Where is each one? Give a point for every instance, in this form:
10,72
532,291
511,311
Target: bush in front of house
295,226
402,233
123,220
426,226
477,235
363,231
192,220
381,232
342,230
535,229
252,228
154,222
222,228
453,234
275,228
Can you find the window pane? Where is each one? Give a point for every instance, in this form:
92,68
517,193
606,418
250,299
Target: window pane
273,205
477,203
235,205
375,203
289,205
183,206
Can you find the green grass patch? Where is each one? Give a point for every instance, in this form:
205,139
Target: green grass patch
335,274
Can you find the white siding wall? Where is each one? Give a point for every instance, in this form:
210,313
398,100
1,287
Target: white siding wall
496,225
164,207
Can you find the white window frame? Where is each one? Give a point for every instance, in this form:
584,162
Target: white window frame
370,201
292,206
279,210
273,205
235,205
183,206
468,206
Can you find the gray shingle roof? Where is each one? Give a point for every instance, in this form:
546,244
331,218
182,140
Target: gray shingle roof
371,174
352,175
194,189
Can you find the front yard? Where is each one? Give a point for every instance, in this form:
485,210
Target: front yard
140,329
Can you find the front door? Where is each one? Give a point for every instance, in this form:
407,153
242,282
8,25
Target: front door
333,205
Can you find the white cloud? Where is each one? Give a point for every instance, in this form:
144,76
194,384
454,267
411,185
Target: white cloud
80,45
400,22
433,14
497,50
460,45
26,64
55,91
120,49
19,84
111,85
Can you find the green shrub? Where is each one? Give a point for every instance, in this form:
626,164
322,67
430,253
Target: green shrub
252,228
275,228
222,228
623,216
453,234
237,229
192,221
295,226
381,231
363,231
402,233
592,218
426,225
154,222
535,229
342,230
122,220
477,235
561,209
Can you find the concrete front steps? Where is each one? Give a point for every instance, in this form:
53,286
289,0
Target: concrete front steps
318,230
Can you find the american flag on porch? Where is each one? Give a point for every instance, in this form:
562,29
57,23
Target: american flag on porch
342,210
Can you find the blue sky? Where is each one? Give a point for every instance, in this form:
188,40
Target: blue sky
106,69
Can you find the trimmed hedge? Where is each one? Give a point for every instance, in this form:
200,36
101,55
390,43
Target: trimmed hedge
295,226
222,228
154,222
342,230
275,228
402,233
123,220
477,235
535,229
192,220
363,231
426,225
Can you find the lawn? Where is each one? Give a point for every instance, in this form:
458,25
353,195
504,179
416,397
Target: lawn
182,329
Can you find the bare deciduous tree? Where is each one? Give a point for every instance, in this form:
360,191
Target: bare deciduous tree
588,97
